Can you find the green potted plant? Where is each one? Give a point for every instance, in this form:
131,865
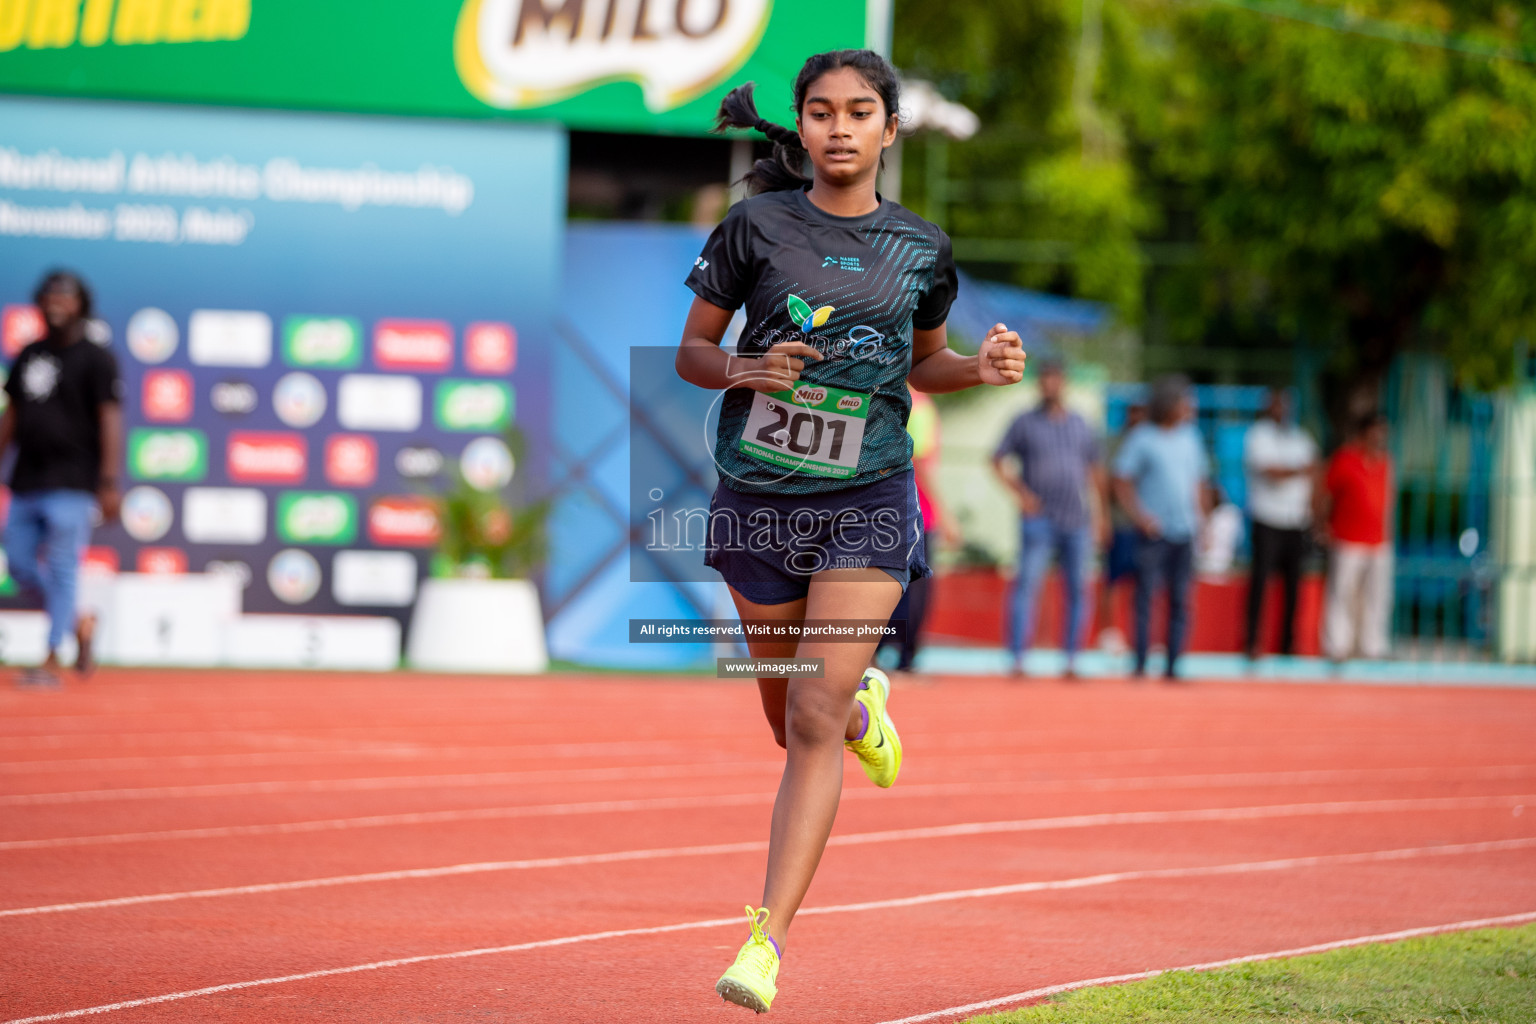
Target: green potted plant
478,611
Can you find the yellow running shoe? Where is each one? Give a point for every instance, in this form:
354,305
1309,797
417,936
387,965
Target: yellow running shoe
879,749
752,980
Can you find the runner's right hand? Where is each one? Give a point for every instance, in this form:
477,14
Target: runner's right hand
776,370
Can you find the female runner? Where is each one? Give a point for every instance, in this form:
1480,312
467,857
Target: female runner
816,514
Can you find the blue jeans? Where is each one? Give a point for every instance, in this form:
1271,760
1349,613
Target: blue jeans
45,541
1039,538
1160,562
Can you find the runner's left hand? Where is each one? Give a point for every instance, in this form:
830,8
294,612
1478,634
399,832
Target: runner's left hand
1001,359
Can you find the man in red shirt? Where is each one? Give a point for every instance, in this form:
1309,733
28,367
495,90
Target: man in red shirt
1356,504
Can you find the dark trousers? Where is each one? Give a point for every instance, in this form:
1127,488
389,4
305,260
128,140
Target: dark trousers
1273,549
911,609
1160,563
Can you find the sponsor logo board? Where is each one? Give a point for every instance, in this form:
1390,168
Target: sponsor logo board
404,521
147,514
351,460
20,326
308,517
254,456
294,576
490,348
486,464
103,560
480,405
299,399
367,401
335,343
224,515
167,454
227,337
233,398
152,335
418,345
167,396
162,561
241,571
418,462
381,579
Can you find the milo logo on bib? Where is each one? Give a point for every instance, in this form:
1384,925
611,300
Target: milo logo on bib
811,429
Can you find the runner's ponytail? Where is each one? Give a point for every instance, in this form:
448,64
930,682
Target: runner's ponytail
783,170
786,168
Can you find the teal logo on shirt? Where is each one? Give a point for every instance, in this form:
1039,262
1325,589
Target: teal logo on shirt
842,263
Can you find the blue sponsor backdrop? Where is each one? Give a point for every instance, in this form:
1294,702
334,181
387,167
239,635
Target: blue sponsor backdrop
405,231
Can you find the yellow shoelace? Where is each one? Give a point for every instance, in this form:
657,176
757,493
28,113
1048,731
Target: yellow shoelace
759,918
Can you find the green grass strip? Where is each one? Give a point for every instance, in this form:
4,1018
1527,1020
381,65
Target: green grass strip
1487,975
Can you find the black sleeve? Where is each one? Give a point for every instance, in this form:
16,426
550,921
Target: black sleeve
722,274
933,307
105,384
13,378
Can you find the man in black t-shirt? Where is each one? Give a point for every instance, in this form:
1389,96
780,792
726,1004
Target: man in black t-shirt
65,416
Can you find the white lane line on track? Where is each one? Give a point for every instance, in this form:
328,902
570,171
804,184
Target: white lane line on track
1323,776
720,922
934,745
1211,965
746,799
372,751
665,853
393,782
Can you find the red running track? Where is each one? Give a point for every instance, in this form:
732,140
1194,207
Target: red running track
579,849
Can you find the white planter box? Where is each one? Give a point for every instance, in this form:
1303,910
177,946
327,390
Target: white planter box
347,642
466,625
24,639
169,619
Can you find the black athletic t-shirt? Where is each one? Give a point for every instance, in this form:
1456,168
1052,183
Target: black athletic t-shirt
57,391
851,287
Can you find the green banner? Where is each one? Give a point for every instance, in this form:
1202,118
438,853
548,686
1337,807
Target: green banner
311,517
634,65
482,405
167,454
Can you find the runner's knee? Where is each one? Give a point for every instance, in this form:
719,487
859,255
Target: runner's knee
816,720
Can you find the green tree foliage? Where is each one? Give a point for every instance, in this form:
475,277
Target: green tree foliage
1363,176
1048,164
1377,192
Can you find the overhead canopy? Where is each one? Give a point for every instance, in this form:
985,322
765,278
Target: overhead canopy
1037,317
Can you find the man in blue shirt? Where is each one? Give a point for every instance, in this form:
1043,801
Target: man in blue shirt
1160,481
1058,456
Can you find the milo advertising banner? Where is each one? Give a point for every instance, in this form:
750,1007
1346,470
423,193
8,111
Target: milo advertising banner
636,65
322,321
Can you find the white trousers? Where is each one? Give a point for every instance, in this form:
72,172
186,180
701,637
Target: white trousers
1358,612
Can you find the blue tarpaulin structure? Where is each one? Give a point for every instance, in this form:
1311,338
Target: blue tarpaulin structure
1037,317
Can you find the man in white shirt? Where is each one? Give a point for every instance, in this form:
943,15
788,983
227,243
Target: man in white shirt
1280,458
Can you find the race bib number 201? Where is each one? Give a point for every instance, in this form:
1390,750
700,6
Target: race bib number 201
813,429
